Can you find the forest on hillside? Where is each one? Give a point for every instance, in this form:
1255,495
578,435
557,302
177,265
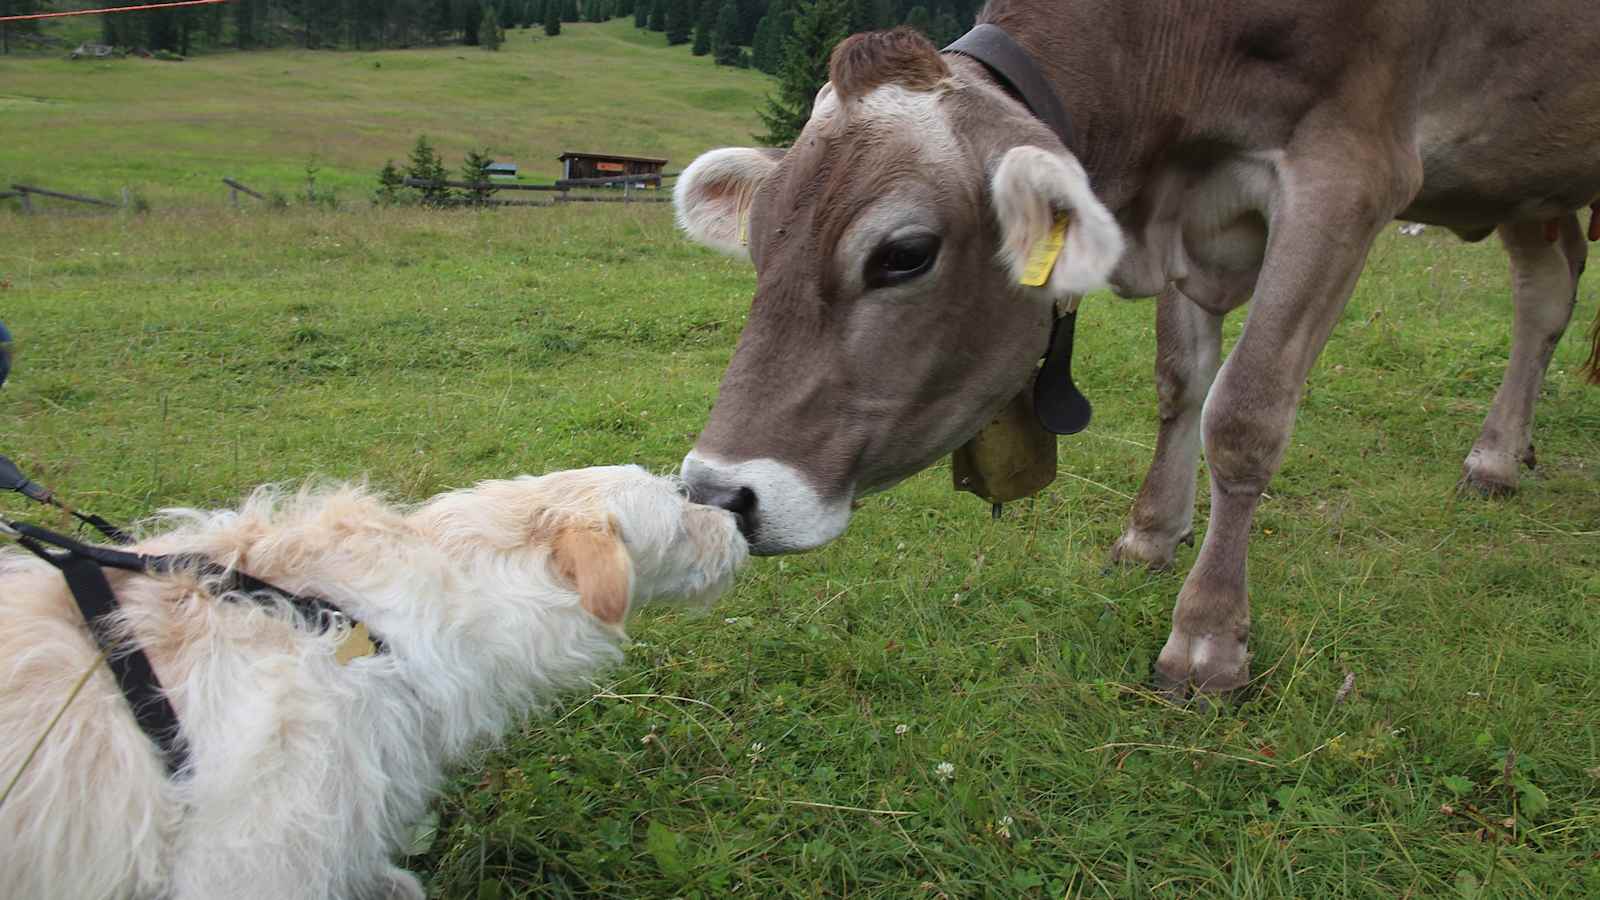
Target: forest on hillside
377,24
787,38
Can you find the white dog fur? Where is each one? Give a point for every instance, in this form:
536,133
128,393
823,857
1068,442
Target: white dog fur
305,774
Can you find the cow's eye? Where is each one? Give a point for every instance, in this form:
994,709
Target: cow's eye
901,260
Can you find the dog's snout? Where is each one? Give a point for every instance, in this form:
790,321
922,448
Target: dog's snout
741,501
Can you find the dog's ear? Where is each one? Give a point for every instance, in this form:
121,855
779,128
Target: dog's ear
596,563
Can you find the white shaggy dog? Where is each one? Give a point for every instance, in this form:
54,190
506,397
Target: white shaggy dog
303,773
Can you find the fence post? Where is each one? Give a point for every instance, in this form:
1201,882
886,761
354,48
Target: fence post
125,203
27,204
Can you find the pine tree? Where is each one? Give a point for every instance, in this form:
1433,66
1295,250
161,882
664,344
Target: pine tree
19,8
703,25
425,165
622,8
658,15
726,40
489,33
918,18
945,29
597,10
680,20
475,172
859,17
641,13
246,24
552,17
569,11
775,28
818,28
390,182
750,13
444,20
764,48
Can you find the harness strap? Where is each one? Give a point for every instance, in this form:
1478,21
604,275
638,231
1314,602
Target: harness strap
132,670
83,565
315,612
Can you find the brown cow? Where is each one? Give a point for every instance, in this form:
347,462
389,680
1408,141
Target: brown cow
1242,151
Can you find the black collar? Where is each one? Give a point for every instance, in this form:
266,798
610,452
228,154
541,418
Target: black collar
1017,72
1057,403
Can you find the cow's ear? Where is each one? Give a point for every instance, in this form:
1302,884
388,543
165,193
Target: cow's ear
713,196
1037,192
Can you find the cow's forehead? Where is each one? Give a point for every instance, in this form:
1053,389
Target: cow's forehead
860,152
917,118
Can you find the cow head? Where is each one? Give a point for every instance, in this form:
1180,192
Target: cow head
889,322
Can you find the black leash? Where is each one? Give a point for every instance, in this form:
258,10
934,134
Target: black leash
1059,405
83,566
12,479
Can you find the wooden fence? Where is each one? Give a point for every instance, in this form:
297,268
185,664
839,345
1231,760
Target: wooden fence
632,189
566,190
25,193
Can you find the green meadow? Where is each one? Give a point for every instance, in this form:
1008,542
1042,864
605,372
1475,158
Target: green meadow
938,705
170,131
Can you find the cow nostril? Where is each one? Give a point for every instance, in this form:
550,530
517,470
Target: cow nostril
739,501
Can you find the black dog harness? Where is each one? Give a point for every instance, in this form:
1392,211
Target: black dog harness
83,565
1059,405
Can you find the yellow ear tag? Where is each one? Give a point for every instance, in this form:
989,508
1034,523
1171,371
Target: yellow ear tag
744,226
357,644
1042,259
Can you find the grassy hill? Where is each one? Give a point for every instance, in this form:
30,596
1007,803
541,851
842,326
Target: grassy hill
169,131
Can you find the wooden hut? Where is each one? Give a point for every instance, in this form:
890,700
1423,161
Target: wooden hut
607,165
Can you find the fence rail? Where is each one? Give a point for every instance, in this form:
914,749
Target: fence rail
23,192
567,190
563,187
236,189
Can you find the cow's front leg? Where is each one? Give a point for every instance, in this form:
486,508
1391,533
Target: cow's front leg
1188,345
1323,223
1544,287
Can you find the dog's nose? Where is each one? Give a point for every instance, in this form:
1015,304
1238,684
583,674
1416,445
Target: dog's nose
741,501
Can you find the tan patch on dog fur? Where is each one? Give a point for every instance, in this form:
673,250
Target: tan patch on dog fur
901,56
597,565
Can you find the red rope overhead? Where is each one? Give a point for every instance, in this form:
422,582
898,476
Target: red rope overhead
115,9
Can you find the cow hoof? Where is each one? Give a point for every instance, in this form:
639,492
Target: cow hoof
1155,552
1191,668
1490,474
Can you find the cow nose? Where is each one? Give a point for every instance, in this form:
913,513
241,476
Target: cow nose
741,501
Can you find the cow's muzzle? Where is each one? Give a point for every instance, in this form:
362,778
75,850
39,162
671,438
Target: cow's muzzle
777,508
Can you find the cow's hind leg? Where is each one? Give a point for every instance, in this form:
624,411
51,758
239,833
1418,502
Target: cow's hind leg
1188,344
1544,287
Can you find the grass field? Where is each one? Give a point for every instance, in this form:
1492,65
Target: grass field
171,131
169,359
790,741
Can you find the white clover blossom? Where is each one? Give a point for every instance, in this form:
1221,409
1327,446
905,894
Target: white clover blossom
945,771
901,729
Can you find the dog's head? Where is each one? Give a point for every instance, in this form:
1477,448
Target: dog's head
617,535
